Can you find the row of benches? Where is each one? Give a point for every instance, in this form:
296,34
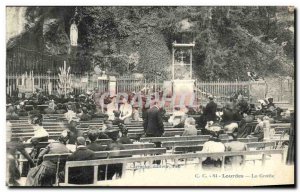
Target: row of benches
117,157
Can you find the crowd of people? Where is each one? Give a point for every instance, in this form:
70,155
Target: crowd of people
232,120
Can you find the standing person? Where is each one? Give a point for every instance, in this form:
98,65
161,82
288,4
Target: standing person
290,159
268,132
210,110
111,107
153,123
125,111
242,105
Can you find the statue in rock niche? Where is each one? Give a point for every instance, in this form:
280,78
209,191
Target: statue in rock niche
73,34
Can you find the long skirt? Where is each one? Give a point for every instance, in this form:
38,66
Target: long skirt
42,175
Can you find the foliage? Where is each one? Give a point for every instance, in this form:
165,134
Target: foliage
65,81
230,41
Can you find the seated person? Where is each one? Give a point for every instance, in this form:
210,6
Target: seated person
259,130
70,114
124,138
94,146
61,109
11,113
235,146
136,114
244,128
73,131
178,117
22,112
51,108
117,119
40,134
189,127
81,175
114,169
190,110
212,128
213,145
44,174
85,116
228,115
35,111
230,128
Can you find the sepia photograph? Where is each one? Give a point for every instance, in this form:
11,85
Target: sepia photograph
150,96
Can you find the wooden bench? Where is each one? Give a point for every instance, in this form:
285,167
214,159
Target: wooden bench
60,158
280,125
187,149
173,157
248,140
261,145
181,138
173,144
174,133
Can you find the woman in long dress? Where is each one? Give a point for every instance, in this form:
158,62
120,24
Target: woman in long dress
45,173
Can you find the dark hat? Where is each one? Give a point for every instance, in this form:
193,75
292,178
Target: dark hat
113,133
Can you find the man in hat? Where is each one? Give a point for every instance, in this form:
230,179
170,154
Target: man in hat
210,109
153,123
81,175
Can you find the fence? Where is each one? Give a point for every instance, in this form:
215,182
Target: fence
222,91
29,83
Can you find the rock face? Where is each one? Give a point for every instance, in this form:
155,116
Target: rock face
48,35
15,21
55,38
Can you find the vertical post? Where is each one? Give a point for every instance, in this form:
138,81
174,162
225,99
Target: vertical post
191,63
95,174
263,159
65,80
173,62
155,85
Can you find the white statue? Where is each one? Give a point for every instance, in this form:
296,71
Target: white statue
73,34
